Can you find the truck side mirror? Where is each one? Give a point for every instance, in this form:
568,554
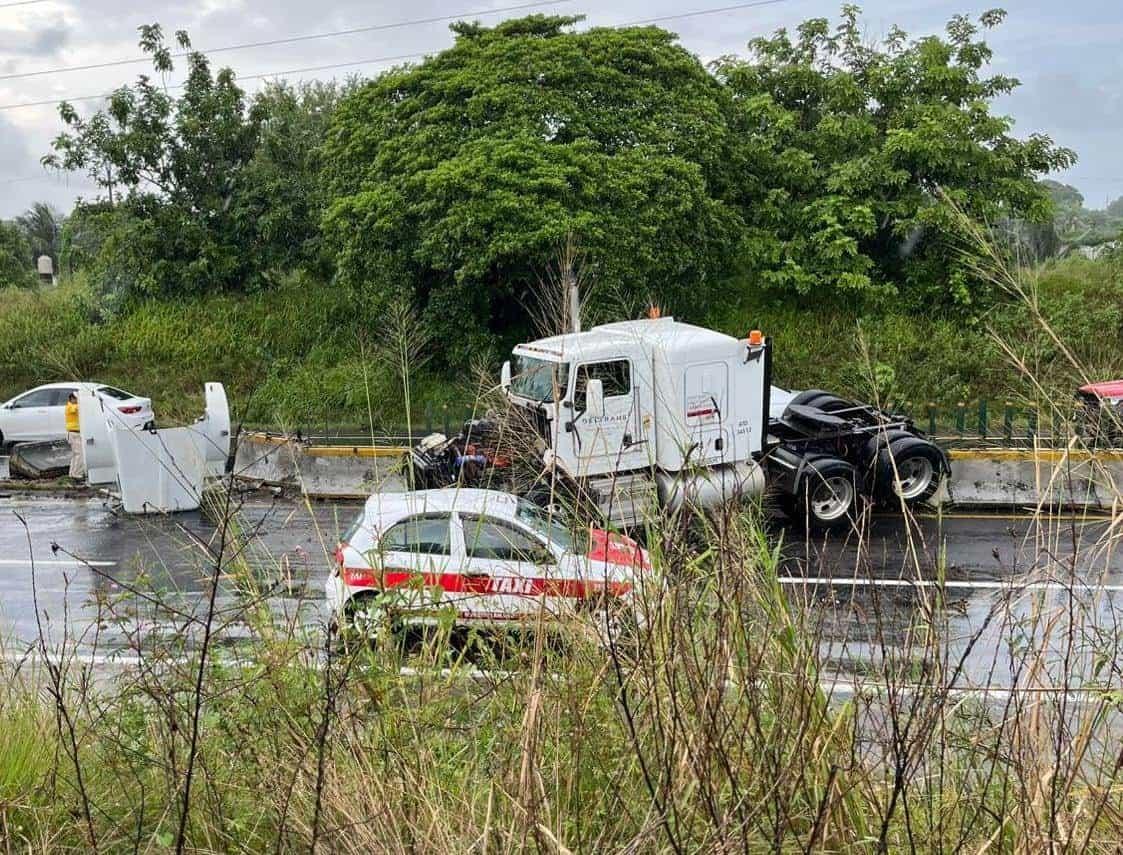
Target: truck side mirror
594,398
505,376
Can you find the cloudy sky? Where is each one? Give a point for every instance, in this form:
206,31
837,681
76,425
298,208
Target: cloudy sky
1067,56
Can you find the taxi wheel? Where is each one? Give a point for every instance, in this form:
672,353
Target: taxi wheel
364,617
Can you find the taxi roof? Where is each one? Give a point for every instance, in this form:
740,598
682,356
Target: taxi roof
388,507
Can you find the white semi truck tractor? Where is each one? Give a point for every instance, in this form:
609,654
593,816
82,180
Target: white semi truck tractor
653,413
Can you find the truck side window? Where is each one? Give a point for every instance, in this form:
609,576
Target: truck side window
615,377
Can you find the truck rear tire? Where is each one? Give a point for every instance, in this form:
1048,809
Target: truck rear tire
825,401
826,497
908,469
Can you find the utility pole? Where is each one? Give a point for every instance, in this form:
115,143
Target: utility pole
574,304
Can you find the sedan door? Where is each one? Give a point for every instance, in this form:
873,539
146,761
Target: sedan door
511,565
28,417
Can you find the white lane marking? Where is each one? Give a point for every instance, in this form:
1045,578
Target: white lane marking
74,562
1077,694
834,688
980,584
79,658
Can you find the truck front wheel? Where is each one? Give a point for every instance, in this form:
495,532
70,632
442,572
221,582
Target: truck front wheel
826,497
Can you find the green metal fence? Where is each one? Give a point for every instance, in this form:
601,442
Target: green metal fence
969,423
1008,423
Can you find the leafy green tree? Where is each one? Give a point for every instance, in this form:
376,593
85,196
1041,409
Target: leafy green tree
16,262
42,225
455,182
207,190
173,165
282,196
849,147
1077,225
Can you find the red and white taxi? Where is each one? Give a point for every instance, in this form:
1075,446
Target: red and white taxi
488,556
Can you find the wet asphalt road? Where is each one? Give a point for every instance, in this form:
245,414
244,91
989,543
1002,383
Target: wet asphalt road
95,574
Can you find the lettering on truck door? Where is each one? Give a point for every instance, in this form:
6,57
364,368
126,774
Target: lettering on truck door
615,441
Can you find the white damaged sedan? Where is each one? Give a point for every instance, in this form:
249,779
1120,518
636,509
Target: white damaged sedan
485,556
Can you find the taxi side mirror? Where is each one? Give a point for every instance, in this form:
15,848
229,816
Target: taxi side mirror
505,376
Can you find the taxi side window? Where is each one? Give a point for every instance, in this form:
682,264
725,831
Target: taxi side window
426,535
498,541
615,377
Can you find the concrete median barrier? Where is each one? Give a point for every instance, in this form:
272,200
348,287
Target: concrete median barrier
981,478
1014,477
318,471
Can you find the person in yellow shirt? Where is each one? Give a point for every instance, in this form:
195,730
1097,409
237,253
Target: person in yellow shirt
74,436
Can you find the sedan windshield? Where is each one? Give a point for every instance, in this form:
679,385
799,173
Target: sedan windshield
538,379
552,528
115,393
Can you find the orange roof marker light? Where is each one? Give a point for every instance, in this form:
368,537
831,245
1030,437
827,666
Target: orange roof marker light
756,338
654,313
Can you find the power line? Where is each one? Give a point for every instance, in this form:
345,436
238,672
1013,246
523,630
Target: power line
258,76
736,7
397,58
288,40
23,3
60,176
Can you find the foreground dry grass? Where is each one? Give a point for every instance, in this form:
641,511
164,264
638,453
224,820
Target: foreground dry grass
716,725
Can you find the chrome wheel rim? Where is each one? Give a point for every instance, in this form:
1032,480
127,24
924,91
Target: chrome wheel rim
832,498
366,619
914,475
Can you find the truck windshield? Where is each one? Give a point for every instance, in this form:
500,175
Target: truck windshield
538,379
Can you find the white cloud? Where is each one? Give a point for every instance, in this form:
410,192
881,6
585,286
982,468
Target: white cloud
1041,43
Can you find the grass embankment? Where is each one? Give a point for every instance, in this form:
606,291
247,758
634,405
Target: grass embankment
709,731
293,355
919,359
301,355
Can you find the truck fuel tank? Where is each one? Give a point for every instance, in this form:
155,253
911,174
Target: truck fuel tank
710,487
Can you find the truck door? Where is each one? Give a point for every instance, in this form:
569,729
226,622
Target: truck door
706,412
617,440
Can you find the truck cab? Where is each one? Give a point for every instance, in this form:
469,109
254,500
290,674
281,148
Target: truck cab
641,415
647,404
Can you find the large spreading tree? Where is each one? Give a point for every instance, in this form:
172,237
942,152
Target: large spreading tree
852,151
205,189
457,181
